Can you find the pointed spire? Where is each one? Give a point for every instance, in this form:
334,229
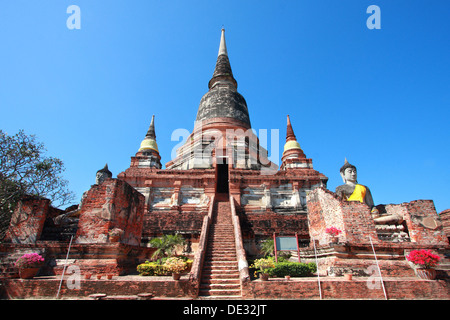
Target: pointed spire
290,136
105,170
149,141
291,140
222,71
293,156
223,45
151,130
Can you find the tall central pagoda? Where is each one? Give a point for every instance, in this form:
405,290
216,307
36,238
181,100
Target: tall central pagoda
223,156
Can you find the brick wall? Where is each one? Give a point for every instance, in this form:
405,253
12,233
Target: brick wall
33,288
113,204
326,210
341,289
169,222
445,218
27,221
420,230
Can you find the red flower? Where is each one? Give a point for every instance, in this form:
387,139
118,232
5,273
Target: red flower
333,231
423,258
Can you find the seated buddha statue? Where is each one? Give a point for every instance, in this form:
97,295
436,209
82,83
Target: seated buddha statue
352,191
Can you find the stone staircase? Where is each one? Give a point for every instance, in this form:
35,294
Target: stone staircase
443,268
220,274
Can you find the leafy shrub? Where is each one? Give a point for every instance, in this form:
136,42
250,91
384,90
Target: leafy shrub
175,265
293,269
152,269
312,267
159,268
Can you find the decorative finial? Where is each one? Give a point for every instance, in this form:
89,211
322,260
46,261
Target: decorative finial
290,136
223,45
151,130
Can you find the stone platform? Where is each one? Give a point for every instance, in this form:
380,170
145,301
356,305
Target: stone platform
134,287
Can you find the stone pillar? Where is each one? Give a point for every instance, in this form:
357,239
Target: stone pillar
111,208
28,220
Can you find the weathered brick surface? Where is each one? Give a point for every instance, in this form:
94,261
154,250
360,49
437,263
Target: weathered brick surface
445,218
267,222
355,254
325,210
338,288
355,221
114,258
156,223
35,288
27,221
113,204
417,211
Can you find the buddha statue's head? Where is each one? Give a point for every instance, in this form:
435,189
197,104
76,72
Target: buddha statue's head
348,173
102,175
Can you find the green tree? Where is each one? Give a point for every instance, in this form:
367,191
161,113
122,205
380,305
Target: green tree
26,170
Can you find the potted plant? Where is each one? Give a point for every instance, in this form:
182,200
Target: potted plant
263,266
424,261
29,265
176,266
333,233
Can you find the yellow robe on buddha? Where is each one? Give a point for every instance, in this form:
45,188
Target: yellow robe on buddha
358,194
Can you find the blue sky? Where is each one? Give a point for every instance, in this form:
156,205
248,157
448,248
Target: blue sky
379,98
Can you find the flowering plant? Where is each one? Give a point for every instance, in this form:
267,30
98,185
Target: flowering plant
29,260
175,265
332,231
423,258
264,265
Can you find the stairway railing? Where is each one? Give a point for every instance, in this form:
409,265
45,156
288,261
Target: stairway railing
240,251
196,270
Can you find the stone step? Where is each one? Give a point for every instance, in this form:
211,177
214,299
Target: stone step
221,275
221,281
221,268
221,246
217,243
221,264
220,292
223,254
217,247
221,258
222,226
215,238
220,250
221,286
